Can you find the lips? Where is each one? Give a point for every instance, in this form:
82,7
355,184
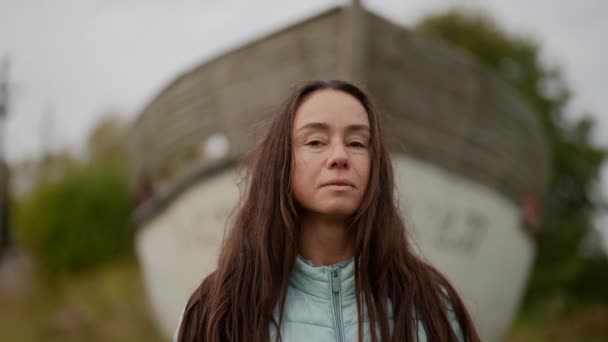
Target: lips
339,182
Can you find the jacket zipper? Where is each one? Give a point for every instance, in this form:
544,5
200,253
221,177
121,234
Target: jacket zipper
334,280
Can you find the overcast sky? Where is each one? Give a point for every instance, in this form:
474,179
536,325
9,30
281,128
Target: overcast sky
74,60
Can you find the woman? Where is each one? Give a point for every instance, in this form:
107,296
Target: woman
316,250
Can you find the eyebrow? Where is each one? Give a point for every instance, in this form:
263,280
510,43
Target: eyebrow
324,127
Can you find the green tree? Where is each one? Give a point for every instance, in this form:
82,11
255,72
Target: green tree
77,221
77,213
107,140
569,204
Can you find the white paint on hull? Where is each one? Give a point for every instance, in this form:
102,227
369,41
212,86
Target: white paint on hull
179,247
469,232
472,235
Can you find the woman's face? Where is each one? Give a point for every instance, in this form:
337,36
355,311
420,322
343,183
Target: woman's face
331,158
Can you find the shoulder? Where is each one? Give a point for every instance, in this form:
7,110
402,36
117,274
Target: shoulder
449,296
454,323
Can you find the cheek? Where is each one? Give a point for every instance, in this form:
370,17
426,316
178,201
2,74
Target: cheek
304,169
363,169
300,179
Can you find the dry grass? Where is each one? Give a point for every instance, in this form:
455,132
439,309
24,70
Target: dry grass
109,305
105,305
584,324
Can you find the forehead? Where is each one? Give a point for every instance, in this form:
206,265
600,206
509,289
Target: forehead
335,108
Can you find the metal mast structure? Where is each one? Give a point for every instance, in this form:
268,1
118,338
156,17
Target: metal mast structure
5,235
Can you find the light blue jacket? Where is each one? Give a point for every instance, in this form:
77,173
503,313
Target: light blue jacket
321,306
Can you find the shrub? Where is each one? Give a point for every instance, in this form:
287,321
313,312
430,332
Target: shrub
78,220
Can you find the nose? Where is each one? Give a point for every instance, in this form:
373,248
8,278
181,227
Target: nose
339,157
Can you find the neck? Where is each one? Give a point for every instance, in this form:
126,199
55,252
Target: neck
324,241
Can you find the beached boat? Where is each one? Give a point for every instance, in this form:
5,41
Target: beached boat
469,155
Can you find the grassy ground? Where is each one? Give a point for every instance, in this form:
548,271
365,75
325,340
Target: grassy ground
589,324
105,305
109,305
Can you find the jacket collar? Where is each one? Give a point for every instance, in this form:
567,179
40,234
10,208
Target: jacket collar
315,280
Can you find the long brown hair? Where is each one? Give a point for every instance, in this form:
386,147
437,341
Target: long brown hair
236,302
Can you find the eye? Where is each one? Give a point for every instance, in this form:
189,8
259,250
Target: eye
315,143
356,144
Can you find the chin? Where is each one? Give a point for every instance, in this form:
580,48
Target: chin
338,210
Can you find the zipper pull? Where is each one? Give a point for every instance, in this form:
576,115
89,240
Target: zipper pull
335,283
